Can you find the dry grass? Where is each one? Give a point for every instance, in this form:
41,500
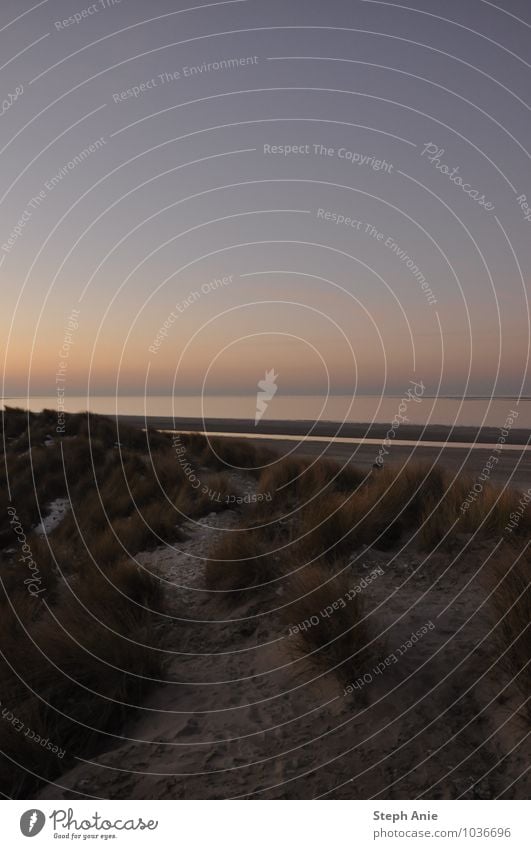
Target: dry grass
326,621
239,563
79,660
319,512
325,528
510,604
377,513
213,496
69,669
237,454
70,672
396,504
487,515
299,480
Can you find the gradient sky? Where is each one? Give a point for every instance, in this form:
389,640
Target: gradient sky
181,193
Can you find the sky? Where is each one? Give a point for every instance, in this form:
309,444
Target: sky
193,194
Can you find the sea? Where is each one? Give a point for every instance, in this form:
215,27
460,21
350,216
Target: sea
417,409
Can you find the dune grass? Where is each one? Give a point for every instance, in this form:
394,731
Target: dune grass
326,621
382,509
509,579
77,658
320,515
236,454
318,512
70,670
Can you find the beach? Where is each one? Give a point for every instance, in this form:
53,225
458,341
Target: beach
513,464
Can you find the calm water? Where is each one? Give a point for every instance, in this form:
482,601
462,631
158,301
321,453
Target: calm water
364,408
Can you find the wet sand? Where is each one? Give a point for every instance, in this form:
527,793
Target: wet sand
410,432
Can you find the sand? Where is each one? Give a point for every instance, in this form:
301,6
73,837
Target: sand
242,715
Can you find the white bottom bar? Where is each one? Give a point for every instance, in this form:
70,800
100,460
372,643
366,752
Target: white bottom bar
268,824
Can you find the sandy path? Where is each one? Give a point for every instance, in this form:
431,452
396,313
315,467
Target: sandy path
239,717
